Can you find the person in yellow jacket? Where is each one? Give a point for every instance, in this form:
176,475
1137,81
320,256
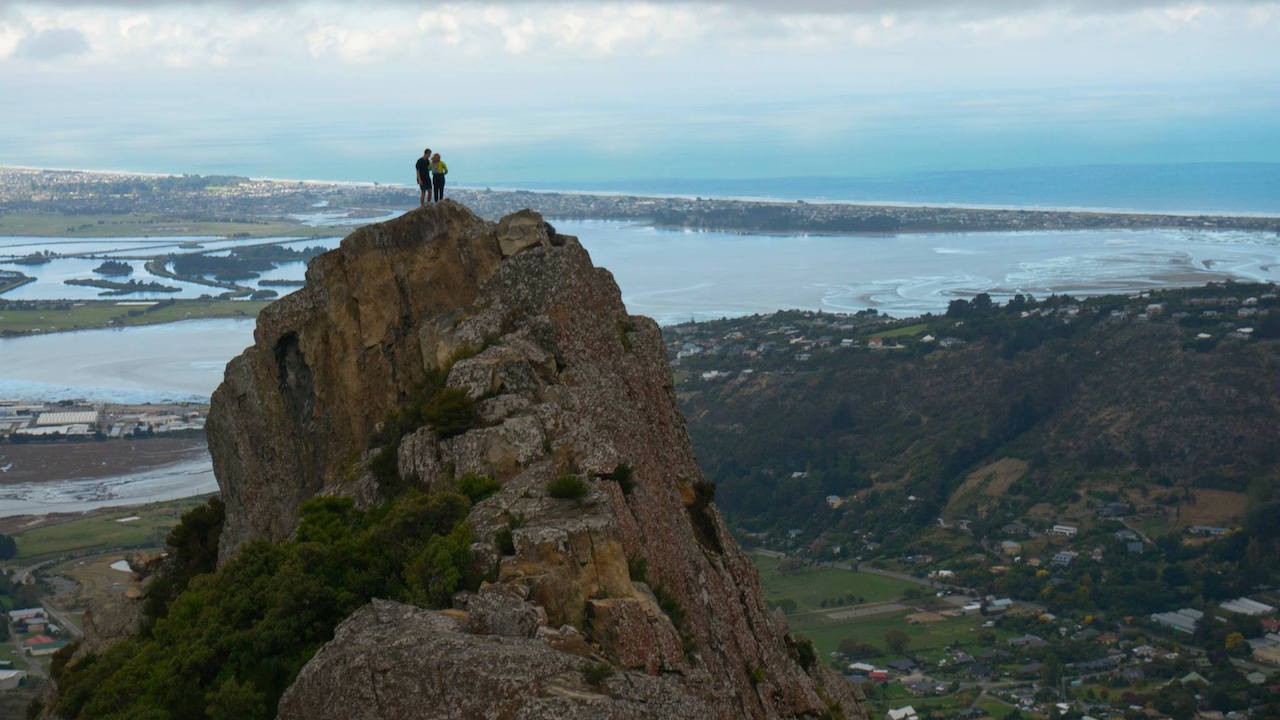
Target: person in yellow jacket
438,171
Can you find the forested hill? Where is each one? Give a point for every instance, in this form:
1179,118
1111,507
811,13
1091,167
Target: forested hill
843,431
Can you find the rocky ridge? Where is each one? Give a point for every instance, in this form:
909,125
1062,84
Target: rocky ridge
629,601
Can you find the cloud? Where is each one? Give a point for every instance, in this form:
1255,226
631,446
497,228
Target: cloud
842,7
53,44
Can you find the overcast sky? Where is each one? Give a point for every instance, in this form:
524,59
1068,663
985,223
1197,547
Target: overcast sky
94,84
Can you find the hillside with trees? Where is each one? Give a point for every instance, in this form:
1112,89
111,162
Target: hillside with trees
933,440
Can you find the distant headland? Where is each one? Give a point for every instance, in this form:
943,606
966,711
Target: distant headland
64,203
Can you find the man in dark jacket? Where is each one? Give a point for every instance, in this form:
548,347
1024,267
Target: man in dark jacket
423,166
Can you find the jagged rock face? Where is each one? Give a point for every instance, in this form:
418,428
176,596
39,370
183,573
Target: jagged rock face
566,382
296,410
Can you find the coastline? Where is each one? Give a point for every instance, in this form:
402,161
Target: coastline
35,190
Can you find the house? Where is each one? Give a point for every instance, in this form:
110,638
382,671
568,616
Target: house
918,687
1126,535
1207,530
26,614
1064,530
1245,606
48,648
1064,558
10,679
1133,548
1029,670
861,668
902,713
1193,677
1269,654
1115,509
1026,641
1130,675
878,676
1009,547
1015,528
999,605
1099,665
902,665
1183,620
981,670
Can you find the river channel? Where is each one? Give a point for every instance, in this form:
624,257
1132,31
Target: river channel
672,276
675,276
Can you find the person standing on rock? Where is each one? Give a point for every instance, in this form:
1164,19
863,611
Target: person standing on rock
438,171
423,167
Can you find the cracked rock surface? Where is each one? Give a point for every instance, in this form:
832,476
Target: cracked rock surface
630,601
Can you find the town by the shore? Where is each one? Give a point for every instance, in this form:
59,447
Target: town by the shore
95,204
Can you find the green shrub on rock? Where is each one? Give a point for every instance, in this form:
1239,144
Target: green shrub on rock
567,487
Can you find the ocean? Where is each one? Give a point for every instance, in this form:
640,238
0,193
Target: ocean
1193,188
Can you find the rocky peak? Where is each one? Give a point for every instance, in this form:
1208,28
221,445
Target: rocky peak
631,571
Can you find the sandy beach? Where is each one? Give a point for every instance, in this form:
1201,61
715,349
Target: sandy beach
48,462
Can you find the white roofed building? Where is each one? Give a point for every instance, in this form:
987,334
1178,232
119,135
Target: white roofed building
74,417
1245,606
902,713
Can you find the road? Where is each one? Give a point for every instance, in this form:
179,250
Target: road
33,666
21,574
63,619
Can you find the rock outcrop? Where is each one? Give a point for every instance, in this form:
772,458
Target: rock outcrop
629,601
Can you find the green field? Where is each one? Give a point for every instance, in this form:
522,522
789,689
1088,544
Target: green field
100,531
895,695
110,313
10,653
905,331
811,585
995,708
144,225
927,641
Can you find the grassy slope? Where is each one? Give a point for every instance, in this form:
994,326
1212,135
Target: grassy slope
100,531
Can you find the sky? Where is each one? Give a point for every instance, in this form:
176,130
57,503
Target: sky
580,93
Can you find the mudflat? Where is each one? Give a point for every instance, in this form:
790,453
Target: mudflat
41,462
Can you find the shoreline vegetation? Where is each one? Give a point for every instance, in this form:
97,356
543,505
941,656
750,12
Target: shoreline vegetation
35,317
113,288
